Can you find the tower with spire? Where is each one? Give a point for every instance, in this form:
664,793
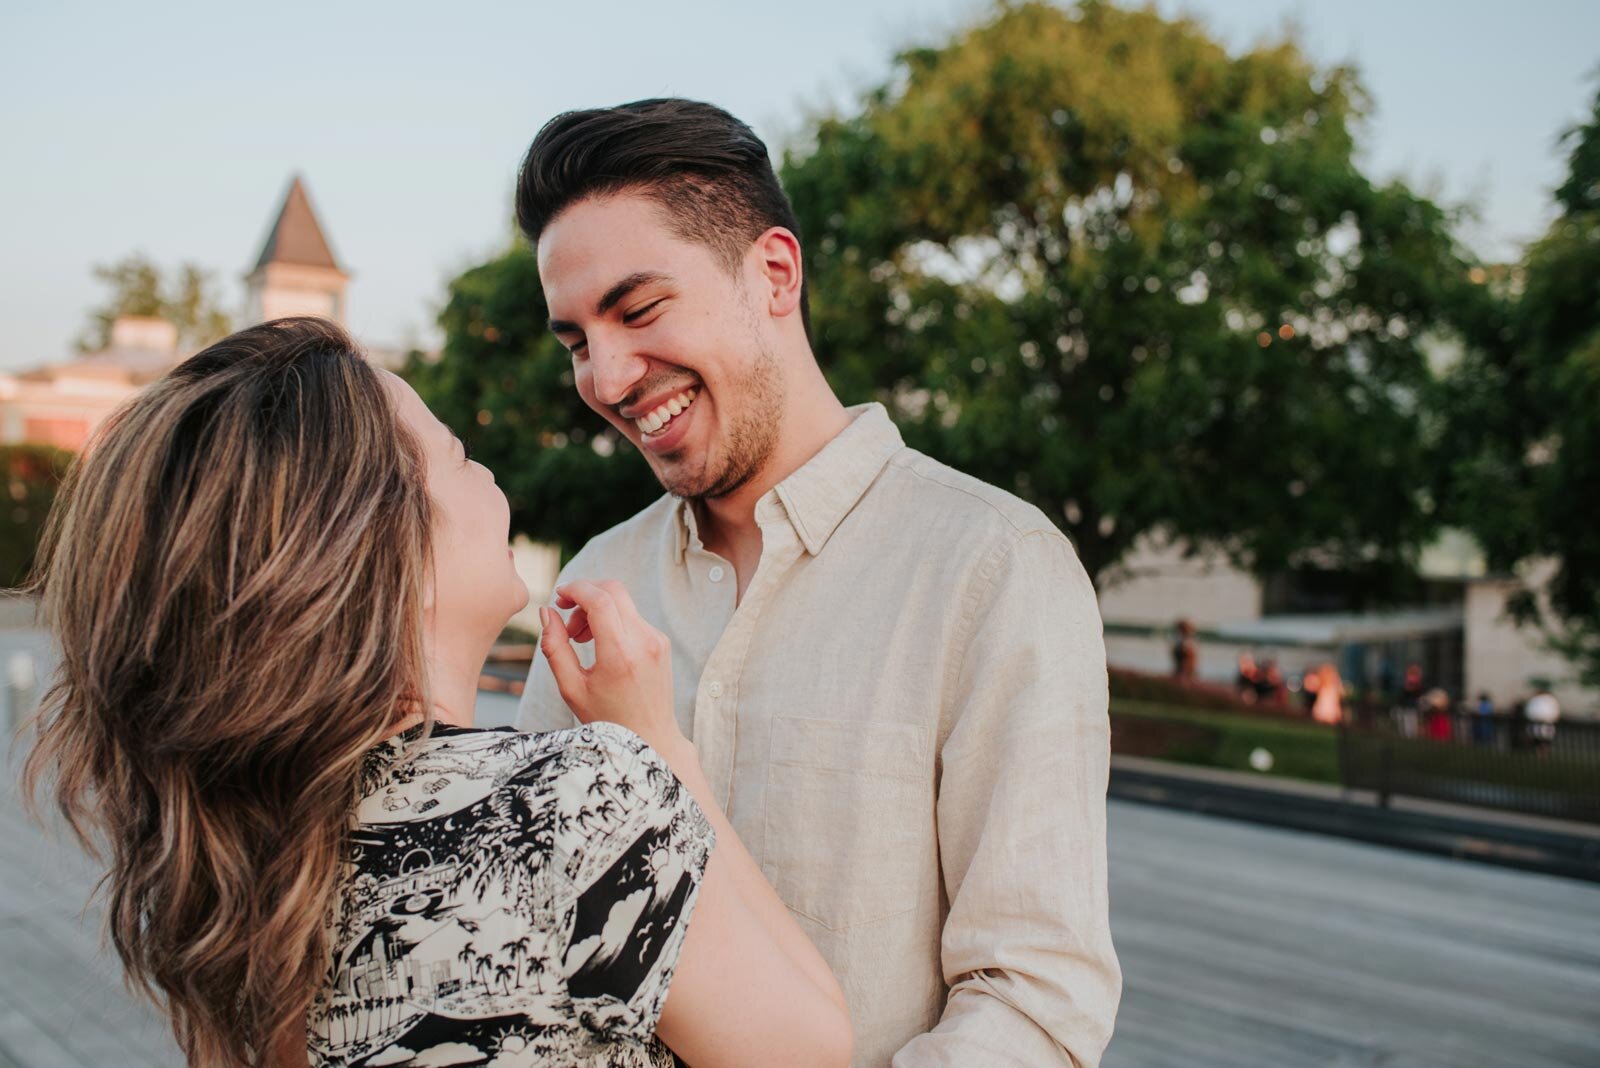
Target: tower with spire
296,273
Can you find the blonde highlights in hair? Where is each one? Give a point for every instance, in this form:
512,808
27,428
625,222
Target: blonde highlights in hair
235,573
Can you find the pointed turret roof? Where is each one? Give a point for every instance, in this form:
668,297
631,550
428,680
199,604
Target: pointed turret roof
296,236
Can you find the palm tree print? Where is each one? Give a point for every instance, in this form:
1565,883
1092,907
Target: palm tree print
481,876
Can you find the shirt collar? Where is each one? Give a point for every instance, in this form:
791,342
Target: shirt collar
823,491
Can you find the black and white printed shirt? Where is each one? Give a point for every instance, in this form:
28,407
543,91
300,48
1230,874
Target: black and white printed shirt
511,899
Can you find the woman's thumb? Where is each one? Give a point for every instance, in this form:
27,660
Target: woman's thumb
558,652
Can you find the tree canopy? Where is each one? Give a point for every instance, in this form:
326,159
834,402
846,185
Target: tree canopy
138,288
1091,257
1522,450
1087,255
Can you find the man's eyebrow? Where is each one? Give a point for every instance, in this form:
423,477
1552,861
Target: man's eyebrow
610,298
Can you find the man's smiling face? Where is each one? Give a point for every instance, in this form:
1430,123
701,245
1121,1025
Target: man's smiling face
667,344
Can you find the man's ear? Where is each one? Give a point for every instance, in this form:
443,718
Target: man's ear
782,271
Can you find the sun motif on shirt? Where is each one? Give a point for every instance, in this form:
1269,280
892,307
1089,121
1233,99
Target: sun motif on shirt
659,859
512,1042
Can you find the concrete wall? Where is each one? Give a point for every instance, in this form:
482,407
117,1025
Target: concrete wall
1157,585
538,564
1503,659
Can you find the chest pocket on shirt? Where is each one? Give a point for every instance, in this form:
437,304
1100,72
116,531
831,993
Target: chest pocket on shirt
849,826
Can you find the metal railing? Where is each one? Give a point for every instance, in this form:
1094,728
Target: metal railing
1502,762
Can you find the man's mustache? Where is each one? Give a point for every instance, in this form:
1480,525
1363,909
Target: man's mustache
654,389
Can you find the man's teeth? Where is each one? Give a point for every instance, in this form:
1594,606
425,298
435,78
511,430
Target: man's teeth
652,422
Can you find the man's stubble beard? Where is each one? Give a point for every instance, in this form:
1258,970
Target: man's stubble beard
751,436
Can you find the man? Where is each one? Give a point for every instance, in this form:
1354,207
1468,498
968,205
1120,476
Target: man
893,673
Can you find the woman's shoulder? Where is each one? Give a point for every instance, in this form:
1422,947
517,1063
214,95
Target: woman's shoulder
454,767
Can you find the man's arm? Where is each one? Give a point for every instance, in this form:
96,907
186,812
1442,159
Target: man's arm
1026,949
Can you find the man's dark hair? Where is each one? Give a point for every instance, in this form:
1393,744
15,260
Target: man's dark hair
706,168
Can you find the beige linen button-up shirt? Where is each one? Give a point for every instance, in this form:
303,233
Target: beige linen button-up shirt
905,720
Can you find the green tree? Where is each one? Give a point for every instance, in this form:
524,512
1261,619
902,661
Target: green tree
1522,452
32,475
138,288
505,385
1088,255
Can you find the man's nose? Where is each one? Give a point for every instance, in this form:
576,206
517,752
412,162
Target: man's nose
616,371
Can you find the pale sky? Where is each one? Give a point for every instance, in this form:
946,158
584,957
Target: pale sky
172,128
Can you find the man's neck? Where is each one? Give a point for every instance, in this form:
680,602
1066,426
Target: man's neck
727,524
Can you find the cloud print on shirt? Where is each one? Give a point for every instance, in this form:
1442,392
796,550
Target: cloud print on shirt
599,950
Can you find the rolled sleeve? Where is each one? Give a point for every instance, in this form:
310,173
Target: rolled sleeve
1026,949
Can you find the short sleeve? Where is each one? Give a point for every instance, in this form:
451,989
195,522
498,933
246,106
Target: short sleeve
642,844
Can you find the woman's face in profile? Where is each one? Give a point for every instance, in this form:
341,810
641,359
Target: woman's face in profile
475,586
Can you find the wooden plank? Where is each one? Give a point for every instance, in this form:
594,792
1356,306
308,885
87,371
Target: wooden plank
82,1007
1242,947
1251,945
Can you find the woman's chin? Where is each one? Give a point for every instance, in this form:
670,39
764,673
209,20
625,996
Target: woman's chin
519,596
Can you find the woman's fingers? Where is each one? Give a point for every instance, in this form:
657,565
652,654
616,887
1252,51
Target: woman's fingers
556,644
578,622
625,606
578,626
604,620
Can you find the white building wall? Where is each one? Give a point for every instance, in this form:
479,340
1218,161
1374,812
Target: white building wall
1157,585
1503,659
538,564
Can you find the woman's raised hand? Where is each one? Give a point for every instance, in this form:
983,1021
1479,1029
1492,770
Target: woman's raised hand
631,680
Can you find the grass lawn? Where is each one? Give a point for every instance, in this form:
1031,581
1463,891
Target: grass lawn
1300,749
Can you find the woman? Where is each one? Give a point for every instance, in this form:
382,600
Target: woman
274,577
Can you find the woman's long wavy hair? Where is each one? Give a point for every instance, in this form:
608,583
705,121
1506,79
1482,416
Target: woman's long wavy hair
234,570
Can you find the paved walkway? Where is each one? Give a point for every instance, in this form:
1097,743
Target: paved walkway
1242,946
1246,946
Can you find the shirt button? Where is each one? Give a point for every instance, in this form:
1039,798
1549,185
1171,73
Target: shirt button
716,573
715,689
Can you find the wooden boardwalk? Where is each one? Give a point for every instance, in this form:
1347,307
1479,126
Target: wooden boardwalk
1248,946
1242,946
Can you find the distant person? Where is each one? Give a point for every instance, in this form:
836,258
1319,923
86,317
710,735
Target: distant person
1408,704
1543,712
1246,678
1270,685
1435,705
1185,653
1310,683
1519,727
1412,689
1483,720
274,577
1329,705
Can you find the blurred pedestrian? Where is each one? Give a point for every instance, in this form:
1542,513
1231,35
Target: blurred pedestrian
1329,704
1519,726
1412,689
1185,653
1310,683
1543,712
1409,704
1270,689
1245,680
1436,703
1483,721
